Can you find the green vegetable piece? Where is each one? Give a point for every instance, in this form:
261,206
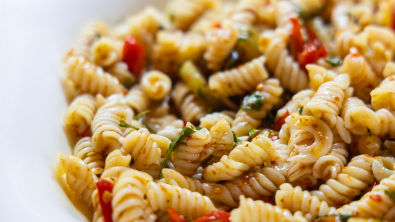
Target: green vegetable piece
199,128
200,95
233,60
345,217
300,110
253,101
334,61
247,44
126,125
251,133
173,145
141,114
391,194
237,140
150,128
205,161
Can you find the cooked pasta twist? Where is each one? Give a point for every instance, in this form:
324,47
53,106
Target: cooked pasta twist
175,178
284,10
106,51
383,167
375,203
143,149
356,176
163,196
344,41
137,99
368,144
271,91
172,130
128,201
319,75
310,6
84,150
220,43
210,119
117,159
192,151
295,199
105,129
328,100
79,177
222,138
383,97
279,62
254,185
259,211
121,71
98,213
239,80
362,77
247,11
89,78
80,114
242,158
156,84
190,106
298,100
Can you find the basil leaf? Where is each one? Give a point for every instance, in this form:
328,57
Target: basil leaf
173,145
150,128
199,128
300,110
141,114
126,125
205,161
251,133
237,140
345,217
253,101
131,162
334,61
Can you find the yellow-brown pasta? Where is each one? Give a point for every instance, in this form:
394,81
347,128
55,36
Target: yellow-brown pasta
80,114
155,84
106,51
383,97
84,150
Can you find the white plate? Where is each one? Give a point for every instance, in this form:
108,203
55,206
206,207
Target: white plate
34,35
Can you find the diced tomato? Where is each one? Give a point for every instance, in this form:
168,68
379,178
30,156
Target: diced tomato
373,185
216,25
185,122
175,216
218,215
296,36
279,123
311,53
134,55
85,134
311,34
104,186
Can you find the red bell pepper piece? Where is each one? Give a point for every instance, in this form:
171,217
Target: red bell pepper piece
280,122
134,55
311,53
104,186
296,36
218,215
175,216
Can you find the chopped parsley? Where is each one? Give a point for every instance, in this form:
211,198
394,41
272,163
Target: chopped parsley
141,114
126,125
237,140
300,110
173,145
251,133
205,161
199,128
391,194
334,61
253,101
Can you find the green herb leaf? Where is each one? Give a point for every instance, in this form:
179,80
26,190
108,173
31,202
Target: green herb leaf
251,133
150,128
391,194
300,110
199,128
200,95
173,145
126,125
141,114
345,217
205,161
253,101
131,162
334,61
237,140
233,60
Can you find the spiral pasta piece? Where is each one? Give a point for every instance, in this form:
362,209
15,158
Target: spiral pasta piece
271,91
98,213
106,51
172,130
242,158
295,199
259,211
220,43
137,99
143,149
344,41
209,120
254,185
156,84
383,167
192,151
310,6
84,150
105,129
280,63
128,201
239,80
163,196
247,11
328,100
89,78
386,124
356,176
375,203
121,71
190,106
319,75
284,10
80,114
383,96
79,177
222,138
117,159
173,177
368,144
298,100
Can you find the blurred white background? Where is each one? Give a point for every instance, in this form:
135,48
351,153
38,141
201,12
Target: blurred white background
34,35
